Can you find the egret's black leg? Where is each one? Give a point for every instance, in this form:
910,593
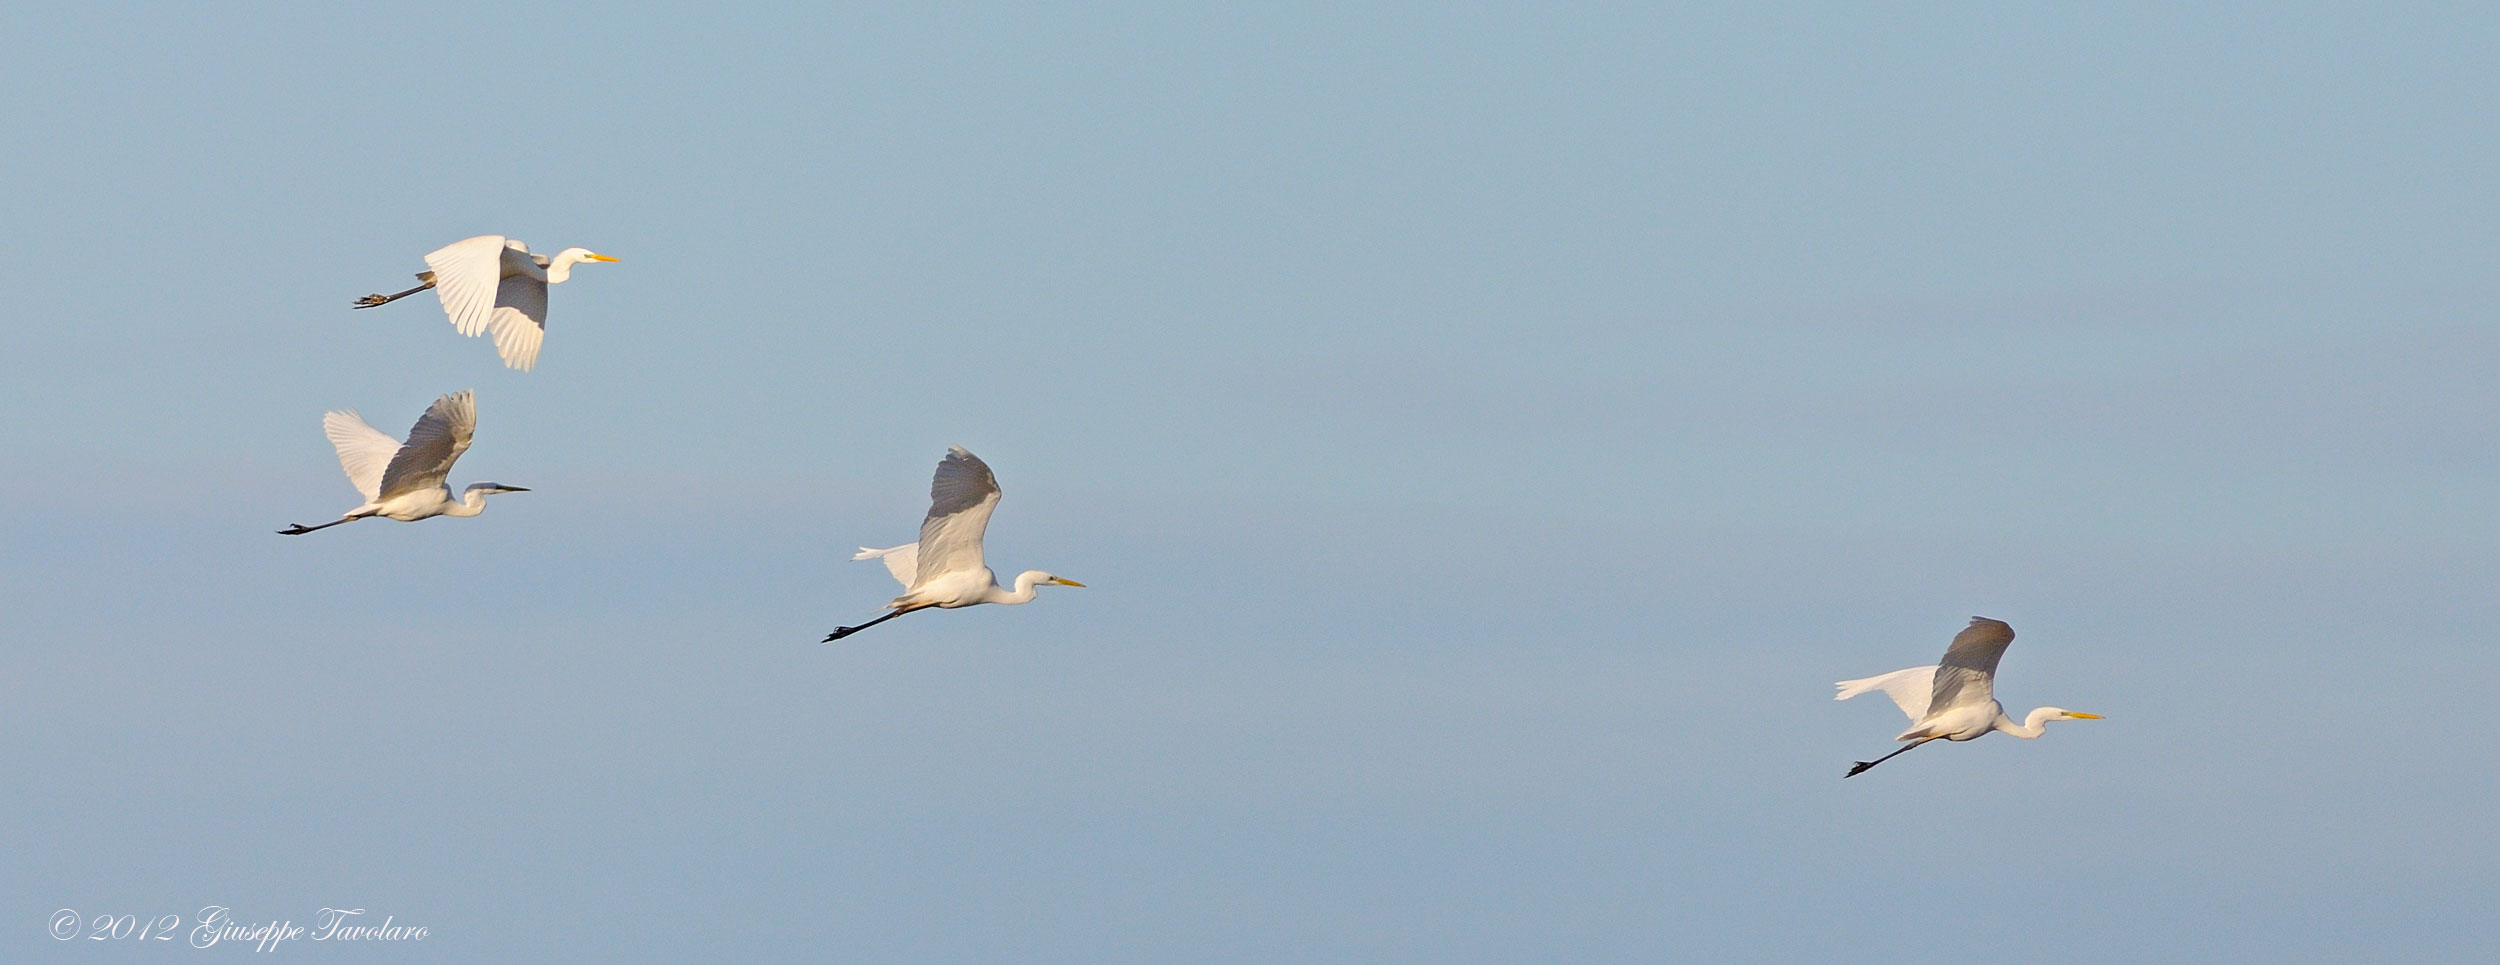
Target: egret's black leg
378,299
840,632
299,529
1863,765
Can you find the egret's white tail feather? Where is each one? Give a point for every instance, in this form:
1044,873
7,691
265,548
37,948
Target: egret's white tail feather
902,561
1909,689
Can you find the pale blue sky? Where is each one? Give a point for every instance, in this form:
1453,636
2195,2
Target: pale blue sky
1485,434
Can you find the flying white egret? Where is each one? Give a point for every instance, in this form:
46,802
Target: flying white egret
1956,700
945,568
491,281
404,481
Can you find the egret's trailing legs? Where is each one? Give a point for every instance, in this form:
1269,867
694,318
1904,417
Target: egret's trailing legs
840,632
377,299
299,529
1863,765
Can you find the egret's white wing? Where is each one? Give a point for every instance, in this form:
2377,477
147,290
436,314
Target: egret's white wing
902,561
961,496
1908,689
438,439
520,320
1968,673
466,274
364,451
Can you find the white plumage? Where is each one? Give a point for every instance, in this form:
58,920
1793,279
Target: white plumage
1908,688
902,561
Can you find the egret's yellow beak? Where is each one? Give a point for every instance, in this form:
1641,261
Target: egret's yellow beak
2083,716
1067,582
599,257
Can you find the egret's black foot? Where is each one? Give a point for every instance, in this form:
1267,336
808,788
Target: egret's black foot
838,633
1862,767
295,529
373,300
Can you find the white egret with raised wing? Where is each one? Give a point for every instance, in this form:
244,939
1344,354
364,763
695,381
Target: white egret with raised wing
944,569
404,480
1956,700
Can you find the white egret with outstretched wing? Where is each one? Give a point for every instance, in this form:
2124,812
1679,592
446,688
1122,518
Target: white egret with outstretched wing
493,283
1955,700
404,480
945,569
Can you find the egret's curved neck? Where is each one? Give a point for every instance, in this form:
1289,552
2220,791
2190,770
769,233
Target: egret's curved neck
560,267
471,503
1023,593
2033,725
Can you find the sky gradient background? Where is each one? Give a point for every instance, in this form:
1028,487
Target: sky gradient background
1485,434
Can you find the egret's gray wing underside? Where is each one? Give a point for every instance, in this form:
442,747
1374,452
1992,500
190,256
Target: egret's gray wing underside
961,497
1967,674
437,440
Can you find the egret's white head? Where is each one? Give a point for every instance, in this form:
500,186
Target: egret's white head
493,487
1044,579
2061,713
580,254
